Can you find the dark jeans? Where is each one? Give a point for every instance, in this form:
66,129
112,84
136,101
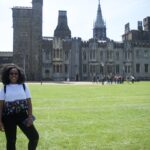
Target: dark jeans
10,125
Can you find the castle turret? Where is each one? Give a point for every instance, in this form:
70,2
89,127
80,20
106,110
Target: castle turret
22,33
27,38
62,30
146,23
99,30
36,46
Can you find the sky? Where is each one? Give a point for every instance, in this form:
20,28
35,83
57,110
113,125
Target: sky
81,16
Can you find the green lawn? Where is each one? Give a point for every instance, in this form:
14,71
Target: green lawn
90,117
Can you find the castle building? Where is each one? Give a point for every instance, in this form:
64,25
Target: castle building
63,57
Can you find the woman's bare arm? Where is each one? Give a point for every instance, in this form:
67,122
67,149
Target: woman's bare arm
1,108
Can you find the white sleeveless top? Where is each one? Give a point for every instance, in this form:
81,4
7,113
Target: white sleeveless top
15,92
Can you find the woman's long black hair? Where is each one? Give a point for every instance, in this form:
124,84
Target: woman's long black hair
5,74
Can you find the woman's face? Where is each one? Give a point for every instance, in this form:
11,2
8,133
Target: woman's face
13,75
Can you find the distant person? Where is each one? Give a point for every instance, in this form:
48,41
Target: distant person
132,79
94,78
41,81
16,108
97,78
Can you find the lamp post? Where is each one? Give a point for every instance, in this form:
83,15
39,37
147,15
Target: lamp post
24,37
103,72
69,65
24,63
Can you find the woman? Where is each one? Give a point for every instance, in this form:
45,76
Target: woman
16,108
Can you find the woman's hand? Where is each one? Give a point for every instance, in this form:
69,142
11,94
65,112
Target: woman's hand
29,121
1,126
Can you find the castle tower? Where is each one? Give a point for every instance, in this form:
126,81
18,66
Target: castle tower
36,47
99,30
62,30
27,38
146,23
22,18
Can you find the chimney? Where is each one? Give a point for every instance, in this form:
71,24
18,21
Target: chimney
62,30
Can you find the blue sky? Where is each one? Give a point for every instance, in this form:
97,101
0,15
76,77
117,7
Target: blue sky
81,16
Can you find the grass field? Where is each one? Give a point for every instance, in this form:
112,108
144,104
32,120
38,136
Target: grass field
90,117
